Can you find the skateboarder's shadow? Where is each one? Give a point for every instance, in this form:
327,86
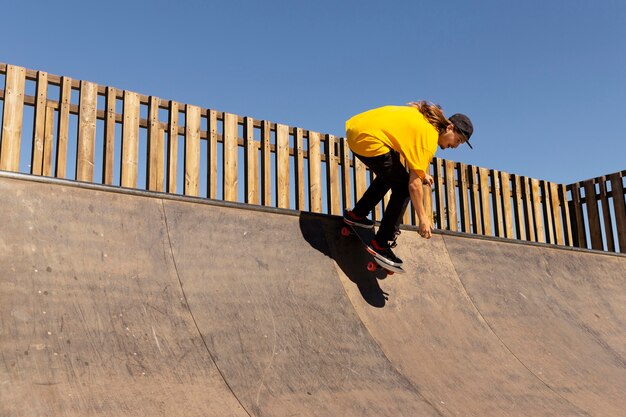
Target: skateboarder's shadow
323,233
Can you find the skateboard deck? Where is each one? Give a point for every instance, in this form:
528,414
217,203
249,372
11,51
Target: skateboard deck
365,236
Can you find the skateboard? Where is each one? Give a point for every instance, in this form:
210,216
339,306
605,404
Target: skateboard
366,236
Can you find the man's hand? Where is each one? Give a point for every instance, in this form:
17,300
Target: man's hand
426,228
428,180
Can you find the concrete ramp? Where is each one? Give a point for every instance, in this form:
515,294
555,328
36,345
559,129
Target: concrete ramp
118,303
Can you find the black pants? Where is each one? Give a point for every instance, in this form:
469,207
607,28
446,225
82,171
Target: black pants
390,175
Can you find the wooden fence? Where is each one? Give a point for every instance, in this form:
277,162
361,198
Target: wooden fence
599,213
59,127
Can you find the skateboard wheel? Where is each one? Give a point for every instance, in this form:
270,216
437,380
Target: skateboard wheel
390,272
371,266
345,231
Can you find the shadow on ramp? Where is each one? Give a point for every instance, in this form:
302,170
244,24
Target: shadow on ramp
323,233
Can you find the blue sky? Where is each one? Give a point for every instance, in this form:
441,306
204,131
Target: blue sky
544,81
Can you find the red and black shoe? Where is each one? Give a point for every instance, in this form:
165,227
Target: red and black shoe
384,254
351,219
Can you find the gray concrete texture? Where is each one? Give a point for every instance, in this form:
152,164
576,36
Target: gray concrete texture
118,303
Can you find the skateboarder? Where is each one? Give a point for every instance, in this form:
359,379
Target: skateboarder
378,137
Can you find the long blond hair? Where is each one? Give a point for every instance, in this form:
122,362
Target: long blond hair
433,113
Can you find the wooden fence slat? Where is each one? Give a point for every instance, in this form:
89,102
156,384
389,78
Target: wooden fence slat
48,143
496,201
360,179
212,171
472,173
266,168
315,172
12,118
451,214
231,150
536,205
565,215
109,136
63,127
36,165
86,131
440,208
250,162
485,209
556,213
332,175
606,214
519,208
578,225
156,155
547,211
593,215
192,151
345,173
282,166
619,208
172,149
130,140
507,207
463,201
299,169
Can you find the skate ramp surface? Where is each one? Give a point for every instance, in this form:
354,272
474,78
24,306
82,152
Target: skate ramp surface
118,303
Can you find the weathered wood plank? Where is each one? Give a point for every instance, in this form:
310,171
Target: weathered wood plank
474,183
346,181
315,172
266,167
536,203
48,143
130,140
109,136
251,152
619,208
172,149
451,213
332,175
12,118
485,209
518,196
39,124
299,169
440,208
578,225
555,203
86,131
212,171
593,215
156,151
507,207
63,127
360,178
496,201
606,215
465,217
529,219
565,215
231,149
283,194
192,150
547,211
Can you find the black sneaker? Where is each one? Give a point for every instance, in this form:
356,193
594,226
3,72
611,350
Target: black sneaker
384,254
351,219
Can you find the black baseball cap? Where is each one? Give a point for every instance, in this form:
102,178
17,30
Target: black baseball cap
463,125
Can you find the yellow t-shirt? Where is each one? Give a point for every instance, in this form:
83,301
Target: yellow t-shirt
401,128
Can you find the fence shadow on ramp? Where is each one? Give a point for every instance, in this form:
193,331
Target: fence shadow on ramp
323,233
